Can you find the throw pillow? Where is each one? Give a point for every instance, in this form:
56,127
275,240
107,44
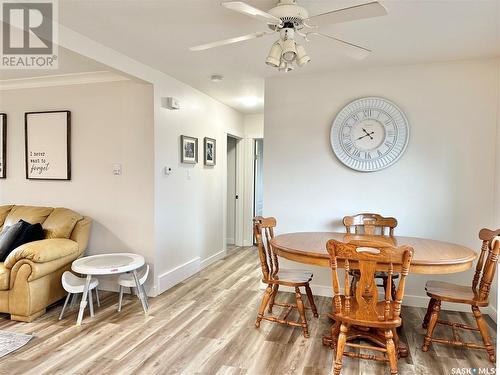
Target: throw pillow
7,238
29,233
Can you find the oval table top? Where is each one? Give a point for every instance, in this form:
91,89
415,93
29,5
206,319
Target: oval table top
108,264
430,256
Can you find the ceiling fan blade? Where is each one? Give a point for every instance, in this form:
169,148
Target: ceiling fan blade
356,12
244,8
349,49
224,42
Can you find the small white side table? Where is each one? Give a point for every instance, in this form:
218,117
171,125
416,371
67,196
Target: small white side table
109,264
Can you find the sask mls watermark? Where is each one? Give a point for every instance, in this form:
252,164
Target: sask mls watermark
29,34
473,371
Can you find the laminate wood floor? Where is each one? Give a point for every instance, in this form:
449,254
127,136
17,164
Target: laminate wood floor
205,325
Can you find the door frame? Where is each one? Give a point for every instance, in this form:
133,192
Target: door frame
238,225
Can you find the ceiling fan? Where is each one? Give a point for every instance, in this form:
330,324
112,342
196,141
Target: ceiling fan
289,20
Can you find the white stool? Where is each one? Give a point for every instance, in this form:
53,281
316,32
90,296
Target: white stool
127,280
73,285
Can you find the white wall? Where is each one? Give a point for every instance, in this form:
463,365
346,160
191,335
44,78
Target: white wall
110,123
190,211
442,188
254,125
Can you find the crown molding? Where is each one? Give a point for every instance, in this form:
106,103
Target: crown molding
61,80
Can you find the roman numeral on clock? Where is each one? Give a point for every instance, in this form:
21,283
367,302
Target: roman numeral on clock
348,143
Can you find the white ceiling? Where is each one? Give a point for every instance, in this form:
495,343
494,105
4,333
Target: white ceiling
159,32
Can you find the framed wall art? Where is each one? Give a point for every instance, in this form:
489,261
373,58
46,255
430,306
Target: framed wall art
189,150
209,151
3,145
48,145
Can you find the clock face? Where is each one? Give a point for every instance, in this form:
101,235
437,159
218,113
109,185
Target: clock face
369,134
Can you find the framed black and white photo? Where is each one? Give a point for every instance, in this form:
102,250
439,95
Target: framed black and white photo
48,145
189,149
3,145
210,151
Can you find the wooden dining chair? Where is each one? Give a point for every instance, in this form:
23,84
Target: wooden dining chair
273,276
475,296
372,224
355,314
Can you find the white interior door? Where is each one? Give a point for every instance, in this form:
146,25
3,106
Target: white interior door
231,191
258,177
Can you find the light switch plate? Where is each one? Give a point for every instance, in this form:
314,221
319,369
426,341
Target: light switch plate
117,169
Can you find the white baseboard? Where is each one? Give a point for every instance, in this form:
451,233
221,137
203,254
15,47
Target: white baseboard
178,274
409,300
230,241
212,259
248,242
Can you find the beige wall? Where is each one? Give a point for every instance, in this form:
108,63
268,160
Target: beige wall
111,123
441,188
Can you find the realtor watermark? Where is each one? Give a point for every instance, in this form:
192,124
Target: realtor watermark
29,34
473,371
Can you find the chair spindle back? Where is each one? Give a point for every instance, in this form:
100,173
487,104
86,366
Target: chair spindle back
370,257
487,262
369,223
264,231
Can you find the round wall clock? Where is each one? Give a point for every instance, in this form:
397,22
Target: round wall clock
369,134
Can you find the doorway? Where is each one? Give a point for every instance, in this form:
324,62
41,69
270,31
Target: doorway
258,186
232,194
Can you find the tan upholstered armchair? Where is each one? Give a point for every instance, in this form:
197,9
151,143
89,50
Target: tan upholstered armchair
30,277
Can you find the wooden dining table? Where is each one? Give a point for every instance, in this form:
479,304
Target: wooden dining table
430,256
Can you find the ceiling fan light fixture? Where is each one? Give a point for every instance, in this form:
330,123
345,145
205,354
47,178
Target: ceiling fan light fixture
302,57
285,67
274,57
289,50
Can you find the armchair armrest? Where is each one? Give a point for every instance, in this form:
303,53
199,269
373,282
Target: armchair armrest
43,251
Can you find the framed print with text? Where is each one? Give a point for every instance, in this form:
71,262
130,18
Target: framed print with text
48,145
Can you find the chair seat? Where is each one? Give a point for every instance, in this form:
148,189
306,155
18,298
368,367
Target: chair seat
361,317
74,284
291,276
450,292
127,279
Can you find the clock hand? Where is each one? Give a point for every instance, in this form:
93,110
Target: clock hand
367,135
